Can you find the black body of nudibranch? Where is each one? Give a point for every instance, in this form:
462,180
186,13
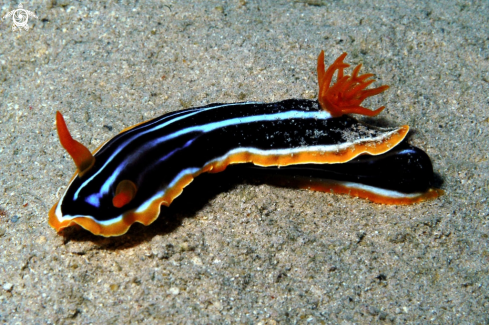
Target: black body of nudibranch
132,175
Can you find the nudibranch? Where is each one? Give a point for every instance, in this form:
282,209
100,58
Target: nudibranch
131,176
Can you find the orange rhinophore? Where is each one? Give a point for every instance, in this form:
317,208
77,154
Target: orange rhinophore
348,92
82,157
124,193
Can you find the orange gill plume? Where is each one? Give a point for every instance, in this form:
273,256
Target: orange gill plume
348,92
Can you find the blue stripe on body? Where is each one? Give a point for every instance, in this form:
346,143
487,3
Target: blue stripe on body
180,115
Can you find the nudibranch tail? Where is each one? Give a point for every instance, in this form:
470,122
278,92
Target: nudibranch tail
370,193
82,157
346,95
